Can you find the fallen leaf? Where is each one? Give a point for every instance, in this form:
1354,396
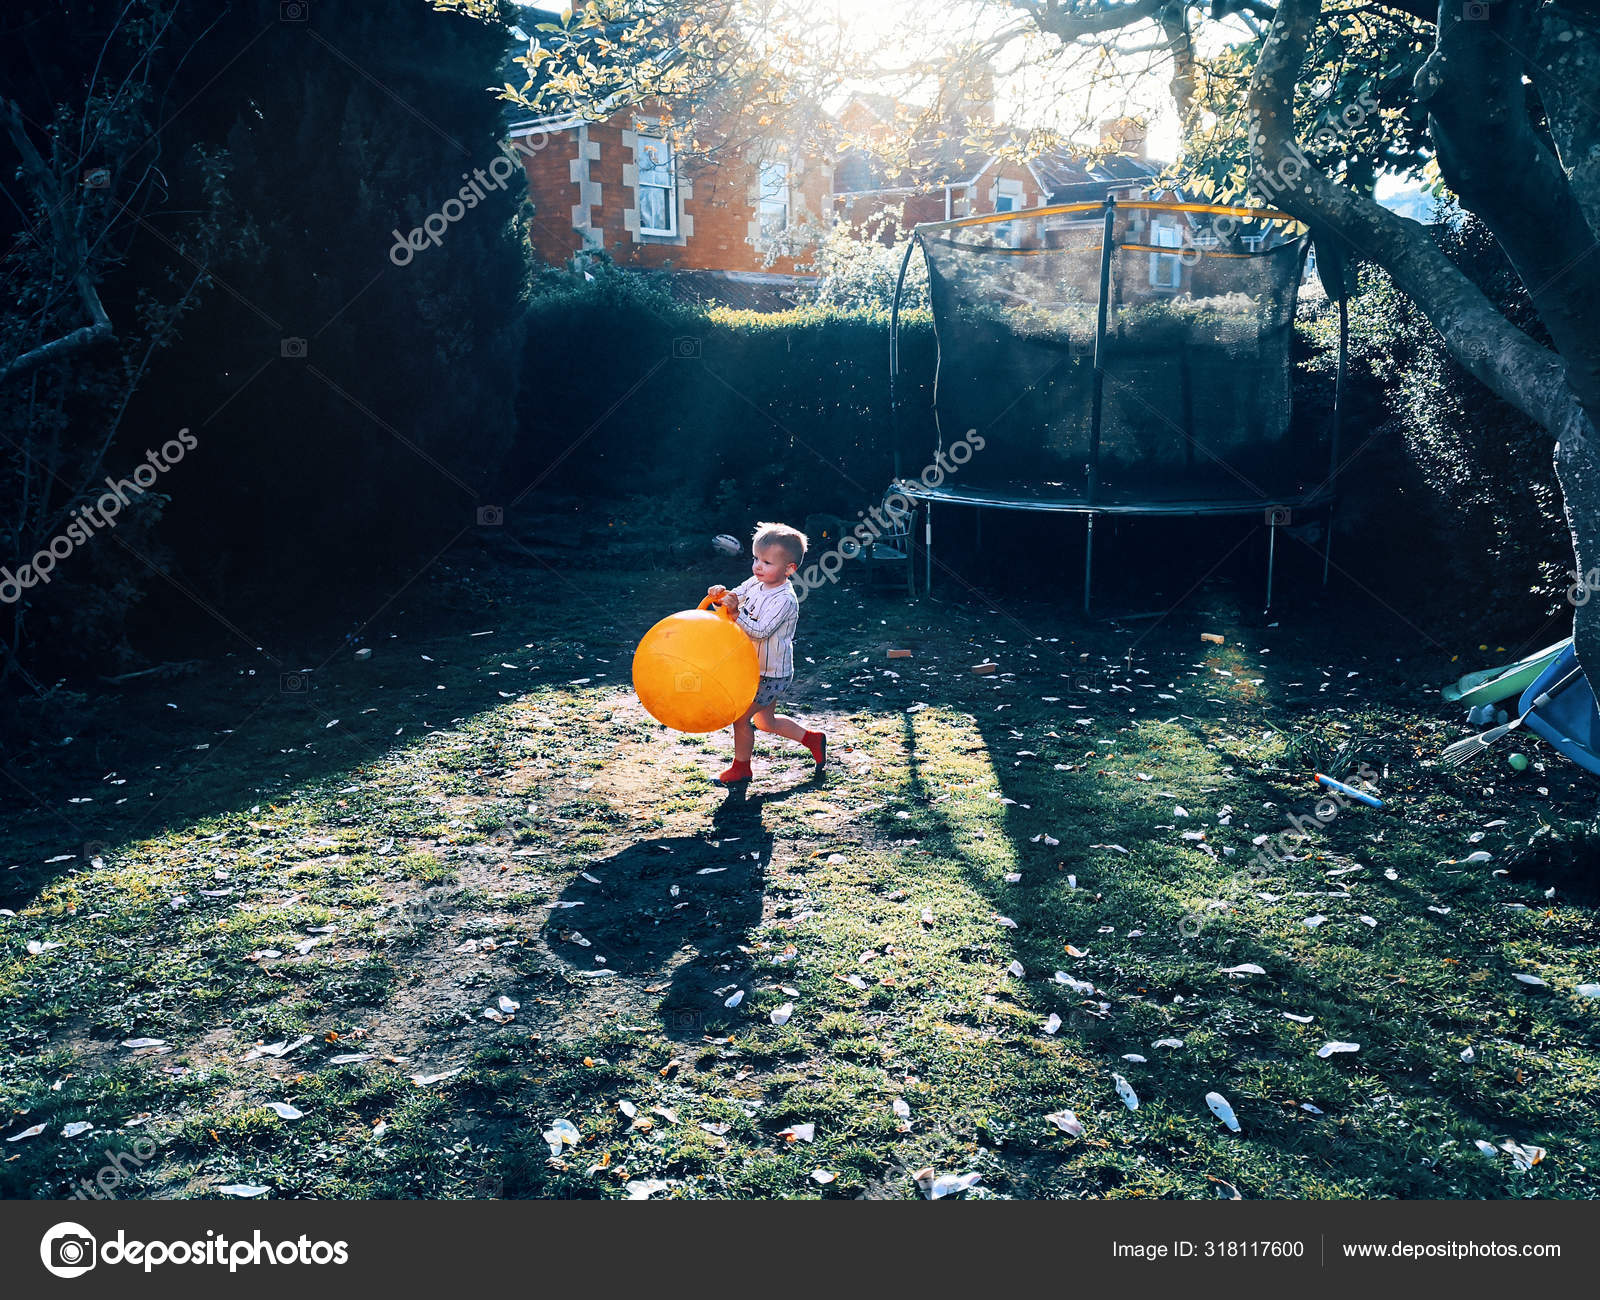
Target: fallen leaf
1067,1122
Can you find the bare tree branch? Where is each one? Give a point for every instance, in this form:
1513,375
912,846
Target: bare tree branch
69,247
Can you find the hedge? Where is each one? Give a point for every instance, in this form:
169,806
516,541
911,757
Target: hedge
627,391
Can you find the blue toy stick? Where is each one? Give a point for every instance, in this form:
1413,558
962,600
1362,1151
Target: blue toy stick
1342,788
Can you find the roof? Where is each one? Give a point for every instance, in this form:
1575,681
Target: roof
1075,178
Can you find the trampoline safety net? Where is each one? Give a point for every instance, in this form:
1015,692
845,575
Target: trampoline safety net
1195,368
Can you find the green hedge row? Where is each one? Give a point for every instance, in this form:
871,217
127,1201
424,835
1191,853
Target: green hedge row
627,391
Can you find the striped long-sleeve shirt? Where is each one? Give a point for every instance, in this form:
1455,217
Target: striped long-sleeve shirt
769,616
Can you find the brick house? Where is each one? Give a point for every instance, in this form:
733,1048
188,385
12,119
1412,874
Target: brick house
949,180
734,227
617,186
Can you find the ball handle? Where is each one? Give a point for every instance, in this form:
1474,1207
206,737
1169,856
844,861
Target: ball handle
715,604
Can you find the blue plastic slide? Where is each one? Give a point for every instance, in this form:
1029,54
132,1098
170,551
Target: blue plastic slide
1571,720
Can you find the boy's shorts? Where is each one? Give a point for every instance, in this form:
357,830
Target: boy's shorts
772,689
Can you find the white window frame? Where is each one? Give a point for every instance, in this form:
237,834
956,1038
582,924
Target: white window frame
1166,269
769,200
646,163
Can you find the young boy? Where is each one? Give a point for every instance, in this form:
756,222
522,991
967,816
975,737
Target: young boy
768,611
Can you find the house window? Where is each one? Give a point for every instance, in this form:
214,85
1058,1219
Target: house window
1165,268
774,198
1007,198
658,186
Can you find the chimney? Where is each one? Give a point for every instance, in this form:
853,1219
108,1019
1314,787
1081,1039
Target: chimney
1125,135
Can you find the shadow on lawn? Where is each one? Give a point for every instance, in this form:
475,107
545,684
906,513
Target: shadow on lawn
232,737
641,927
1160,985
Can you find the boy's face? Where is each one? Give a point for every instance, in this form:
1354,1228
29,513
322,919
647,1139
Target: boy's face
771,564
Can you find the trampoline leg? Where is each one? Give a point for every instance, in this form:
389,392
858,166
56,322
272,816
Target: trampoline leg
1088,561
1272,555
1327,548
927,551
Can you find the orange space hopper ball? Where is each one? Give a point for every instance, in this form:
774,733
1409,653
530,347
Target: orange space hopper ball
695,670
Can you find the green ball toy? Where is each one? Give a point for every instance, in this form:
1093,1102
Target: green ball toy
1519,762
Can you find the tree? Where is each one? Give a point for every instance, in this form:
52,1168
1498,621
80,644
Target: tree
1495,99
83,92
202,235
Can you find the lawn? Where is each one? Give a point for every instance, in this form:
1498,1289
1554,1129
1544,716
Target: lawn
353,876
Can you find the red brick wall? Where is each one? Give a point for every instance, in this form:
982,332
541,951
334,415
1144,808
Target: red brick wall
554,194
719,205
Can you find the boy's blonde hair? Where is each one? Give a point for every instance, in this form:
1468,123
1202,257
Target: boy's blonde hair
792,540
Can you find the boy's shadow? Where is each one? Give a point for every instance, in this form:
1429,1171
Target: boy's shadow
634,920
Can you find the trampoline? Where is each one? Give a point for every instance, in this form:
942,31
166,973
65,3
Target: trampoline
1118,358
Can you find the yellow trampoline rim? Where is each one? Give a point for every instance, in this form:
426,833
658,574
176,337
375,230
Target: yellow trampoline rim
1137,205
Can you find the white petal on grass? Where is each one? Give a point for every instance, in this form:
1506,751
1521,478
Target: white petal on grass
1222,1110
349,1058
423,1080
1299,1020
901,1107
1534,980
562,1133
735,1000
26,1133
1336,1047
1134,1057
248,1191
1588,990
1244,968
799,1133
780,1015
1067,1122
286,1111
1525,1157
950,1185
1167,1042
1130,1098
823,1176
144,1042
1052,1024
642,1189
76,1127
1016,969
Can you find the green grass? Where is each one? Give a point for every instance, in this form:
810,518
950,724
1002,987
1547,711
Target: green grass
436,830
